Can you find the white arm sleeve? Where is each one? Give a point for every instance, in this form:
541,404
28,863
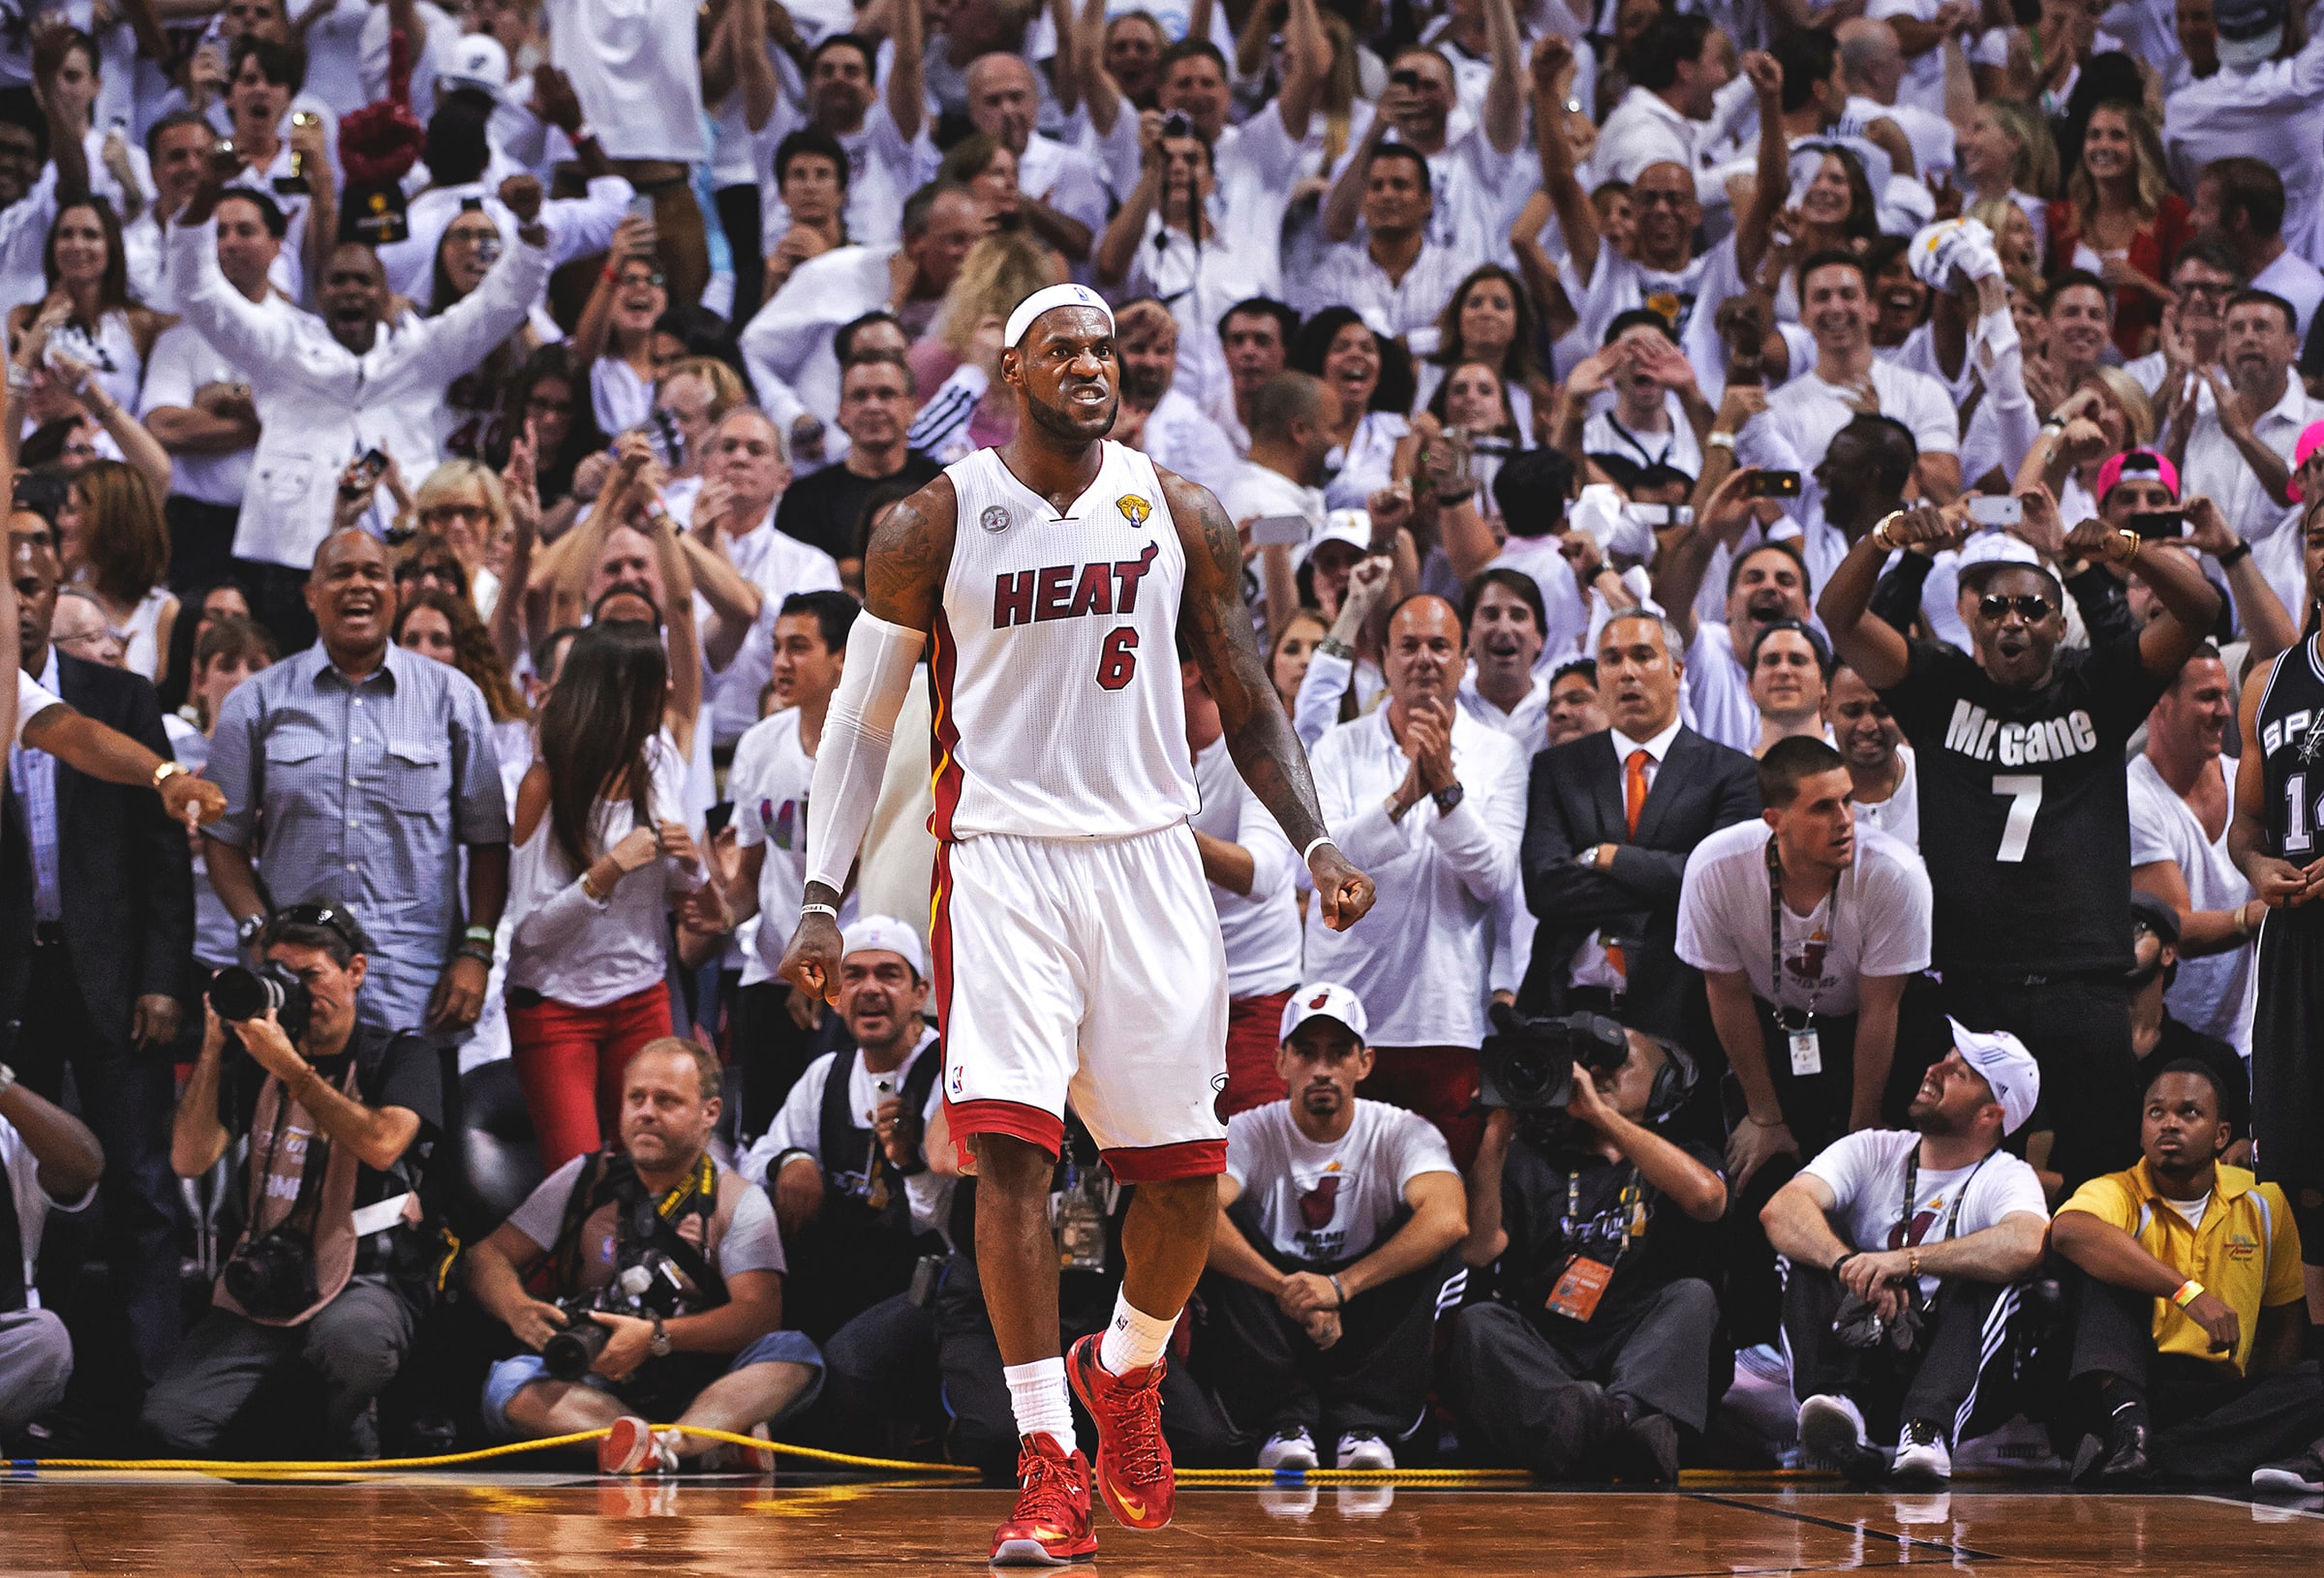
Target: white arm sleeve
854,750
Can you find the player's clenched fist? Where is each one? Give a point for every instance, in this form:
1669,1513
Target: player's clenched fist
812,962
1344,891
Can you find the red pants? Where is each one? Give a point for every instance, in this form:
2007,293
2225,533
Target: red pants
570,1062
1254,1033
1439,1084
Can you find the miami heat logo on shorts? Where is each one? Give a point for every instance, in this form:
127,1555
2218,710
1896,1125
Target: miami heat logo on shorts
1134,509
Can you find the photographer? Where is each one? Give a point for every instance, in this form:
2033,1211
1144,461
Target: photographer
1341,1215
844,1159
1903,1249
331,1274
701,1343
49,1162
1596,1348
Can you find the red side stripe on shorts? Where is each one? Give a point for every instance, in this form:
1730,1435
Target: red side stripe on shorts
944,780
939,930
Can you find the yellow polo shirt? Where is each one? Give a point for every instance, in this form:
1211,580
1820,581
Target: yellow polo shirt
2246,1253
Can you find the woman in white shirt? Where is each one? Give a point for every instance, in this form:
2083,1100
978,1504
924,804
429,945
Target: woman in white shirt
615,336
111,544
88,314
601,852
1373,378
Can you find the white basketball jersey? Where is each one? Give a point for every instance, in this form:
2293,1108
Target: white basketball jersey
1054,664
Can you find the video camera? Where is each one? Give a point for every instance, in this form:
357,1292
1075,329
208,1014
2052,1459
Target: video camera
652,1285
1527,1063
238,995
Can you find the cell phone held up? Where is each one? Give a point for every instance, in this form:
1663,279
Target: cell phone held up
1771,485
1992,512
2155,525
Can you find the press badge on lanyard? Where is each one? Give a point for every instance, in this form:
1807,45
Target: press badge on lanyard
1585,1278
1806,1045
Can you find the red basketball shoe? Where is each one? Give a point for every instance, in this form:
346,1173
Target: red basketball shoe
1133,1461
1050,1524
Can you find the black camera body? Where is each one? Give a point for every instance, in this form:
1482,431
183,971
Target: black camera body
1527,1063
272,1276
239,994
649,1287
1177,123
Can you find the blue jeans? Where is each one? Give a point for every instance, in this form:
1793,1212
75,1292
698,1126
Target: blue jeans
510,1376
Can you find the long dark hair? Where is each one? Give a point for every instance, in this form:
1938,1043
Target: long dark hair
1311,347
1522,361
601,715
582,437
112,292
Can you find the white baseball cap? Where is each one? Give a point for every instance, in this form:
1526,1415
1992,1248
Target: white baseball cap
478,63
1353,527
2007,1067
885,934
1323,1000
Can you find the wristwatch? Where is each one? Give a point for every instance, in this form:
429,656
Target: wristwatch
166,771
660,1347
1447,799
1333,647
247,931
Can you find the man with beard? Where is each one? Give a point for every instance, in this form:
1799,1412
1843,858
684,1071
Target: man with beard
374,773
2020,755
1323,1303
353,380
2274,839
1156,417
1973,1226
1062,777
2180,807
2191,1379
1883,794
843,1158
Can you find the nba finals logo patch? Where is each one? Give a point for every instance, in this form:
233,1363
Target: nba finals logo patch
995,518
1134,509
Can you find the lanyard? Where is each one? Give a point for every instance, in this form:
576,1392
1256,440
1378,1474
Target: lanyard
1952,1217
1624,436
1630,1204
1775,943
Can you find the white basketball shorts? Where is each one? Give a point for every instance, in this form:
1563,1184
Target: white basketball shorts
1089,971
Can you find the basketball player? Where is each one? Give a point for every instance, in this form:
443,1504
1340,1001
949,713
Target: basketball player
2278,799
1076,953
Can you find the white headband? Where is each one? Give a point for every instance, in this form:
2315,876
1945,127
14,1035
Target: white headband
1046,298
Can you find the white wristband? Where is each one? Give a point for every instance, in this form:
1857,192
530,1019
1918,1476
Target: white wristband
1308,854
806,910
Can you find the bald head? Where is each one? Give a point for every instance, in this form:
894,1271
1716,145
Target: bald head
1869,56
1005,99
1285,399
351,594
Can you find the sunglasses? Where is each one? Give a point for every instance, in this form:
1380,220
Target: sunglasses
328,916
1993,608
655,279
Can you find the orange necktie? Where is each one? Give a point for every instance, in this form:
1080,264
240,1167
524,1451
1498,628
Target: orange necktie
1634,788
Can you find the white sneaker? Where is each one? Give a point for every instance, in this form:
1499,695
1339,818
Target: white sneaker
1288,1449
1831,1429
1921,1456
1365,1452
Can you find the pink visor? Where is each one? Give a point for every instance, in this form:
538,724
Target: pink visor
2141,463
2312,440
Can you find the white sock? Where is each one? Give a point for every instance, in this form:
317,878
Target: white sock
1133,1339
1037,1397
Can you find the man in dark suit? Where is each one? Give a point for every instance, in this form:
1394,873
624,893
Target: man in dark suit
106,875
1610,821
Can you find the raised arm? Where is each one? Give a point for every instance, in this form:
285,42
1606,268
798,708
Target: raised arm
1503,110
1087,44
1576,219
904,565
1772,188
1865,642
2190,603
907,93
1307,65
1345,203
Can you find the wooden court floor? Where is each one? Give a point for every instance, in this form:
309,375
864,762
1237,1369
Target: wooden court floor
520,1525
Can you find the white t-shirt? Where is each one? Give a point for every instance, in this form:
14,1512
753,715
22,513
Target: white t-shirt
1808,411
1874,923
1261,929
33,1203
1328,1203
1718,691
182,364
1899,815
2210,994
768,784
635,67
31,702
1865,1172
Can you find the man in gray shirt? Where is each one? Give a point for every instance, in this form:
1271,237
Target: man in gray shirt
365,770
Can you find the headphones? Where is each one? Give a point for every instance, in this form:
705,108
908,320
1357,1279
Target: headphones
1674,1081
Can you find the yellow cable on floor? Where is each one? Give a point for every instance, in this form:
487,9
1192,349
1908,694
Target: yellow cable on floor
445,1460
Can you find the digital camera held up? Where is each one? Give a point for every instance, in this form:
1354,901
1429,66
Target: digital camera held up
652,1285
239,994
1527,1063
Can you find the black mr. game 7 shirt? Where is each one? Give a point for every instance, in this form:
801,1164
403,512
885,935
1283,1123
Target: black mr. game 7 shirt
2024,808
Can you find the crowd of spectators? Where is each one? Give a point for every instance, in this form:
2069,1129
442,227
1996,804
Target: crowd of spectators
1789,532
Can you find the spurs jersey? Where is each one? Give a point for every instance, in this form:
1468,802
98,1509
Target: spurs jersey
2291,741
1054,666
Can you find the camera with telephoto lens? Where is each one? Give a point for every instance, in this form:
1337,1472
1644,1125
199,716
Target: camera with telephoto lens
238,995
1527,1063
649,1287
273,1277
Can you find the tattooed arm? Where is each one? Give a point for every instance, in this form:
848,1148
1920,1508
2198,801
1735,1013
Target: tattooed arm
1216,624
904,584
